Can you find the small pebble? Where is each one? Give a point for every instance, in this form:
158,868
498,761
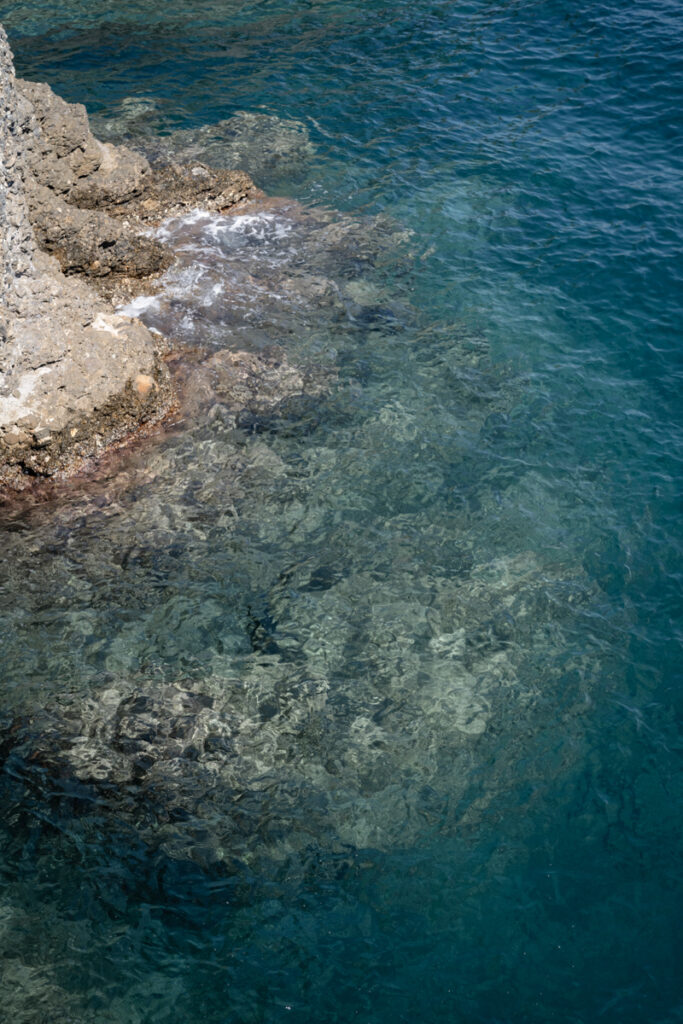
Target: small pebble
143,384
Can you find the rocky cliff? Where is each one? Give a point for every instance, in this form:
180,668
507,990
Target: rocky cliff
75,376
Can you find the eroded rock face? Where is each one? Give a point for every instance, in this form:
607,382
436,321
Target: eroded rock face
17,238
68,363
74,375
70,179
60,150
87,200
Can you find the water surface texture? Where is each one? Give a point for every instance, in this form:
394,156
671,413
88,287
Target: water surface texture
366,706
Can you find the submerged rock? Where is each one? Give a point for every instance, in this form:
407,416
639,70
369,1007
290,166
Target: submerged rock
273,268
266,147
242,769
172,763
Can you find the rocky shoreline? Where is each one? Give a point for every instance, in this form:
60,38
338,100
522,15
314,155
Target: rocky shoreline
75,376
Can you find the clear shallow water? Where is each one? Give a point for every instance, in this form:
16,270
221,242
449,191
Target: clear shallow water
425,622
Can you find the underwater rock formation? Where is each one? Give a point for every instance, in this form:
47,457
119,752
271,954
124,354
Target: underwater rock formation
272,263
265,146
243,767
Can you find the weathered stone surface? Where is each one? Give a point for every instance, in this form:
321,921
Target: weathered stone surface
62,154
67,361
120,176
72,180
176,189
74,376
88,201
88,241
17,237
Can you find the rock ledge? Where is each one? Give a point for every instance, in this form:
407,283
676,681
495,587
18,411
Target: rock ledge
75,376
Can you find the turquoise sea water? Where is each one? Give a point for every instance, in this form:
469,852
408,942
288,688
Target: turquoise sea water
428,615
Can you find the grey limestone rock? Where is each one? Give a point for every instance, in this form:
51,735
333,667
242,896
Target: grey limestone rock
62,153
70,368
73,182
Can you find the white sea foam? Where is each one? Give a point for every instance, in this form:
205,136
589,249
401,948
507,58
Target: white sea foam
261,225
216,227
142,304
166,230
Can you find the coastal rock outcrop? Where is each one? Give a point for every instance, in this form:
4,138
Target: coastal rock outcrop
75,376
68,363
87,199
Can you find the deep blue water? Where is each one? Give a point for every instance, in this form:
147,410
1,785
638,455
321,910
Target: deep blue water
438,603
